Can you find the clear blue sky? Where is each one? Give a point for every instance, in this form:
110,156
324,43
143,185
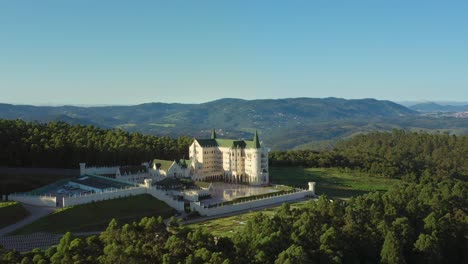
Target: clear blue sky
129,52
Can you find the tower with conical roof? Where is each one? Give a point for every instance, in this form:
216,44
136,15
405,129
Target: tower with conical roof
213,133
256,142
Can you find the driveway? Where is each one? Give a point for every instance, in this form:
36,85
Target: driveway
36,212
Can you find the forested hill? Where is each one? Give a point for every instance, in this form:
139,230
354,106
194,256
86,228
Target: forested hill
433,107
223,112
411,223
396,154
283,123
60,145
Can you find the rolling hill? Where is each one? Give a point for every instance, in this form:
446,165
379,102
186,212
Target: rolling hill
283,123
434,107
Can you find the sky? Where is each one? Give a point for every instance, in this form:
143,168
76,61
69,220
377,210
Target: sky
91,52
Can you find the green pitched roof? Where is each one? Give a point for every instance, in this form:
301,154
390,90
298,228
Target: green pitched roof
228,143
163,164
207,142
166,164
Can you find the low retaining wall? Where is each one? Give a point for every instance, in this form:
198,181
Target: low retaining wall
248,205
49,201
161,195
95,197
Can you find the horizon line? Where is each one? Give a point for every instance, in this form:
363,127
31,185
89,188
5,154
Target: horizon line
232,98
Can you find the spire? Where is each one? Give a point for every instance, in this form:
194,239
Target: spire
213,134
256,141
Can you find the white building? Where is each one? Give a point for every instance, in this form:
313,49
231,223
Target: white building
213,159
237,161
135,174
166,168
132,173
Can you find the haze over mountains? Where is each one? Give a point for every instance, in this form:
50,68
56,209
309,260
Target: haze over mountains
282,123
435,107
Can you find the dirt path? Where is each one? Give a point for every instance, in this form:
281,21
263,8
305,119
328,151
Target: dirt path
36,212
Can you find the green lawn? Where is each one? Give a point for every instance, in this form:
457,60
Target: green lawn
330,181
228,226
11,212
96,216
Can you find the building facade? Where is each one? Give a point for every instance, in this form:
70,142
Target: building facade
236,161
166,168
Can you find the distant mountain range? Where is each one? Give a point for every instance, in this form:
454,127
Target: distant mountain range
434,107
282,123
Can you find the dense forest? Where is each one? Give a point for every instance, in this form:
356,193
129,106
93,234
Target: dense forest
420,220
396,154
60,145
411,223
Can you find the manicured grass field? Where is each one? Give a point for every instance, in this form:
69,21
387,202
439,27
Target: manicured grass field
11,212
228,226
96,216
330,181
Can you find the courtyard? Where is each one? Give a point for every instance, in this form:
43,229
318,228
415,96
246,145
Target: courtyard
224,192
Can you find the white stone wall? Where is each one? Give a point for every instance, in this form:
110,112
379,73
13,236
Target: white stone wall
95,197
138,177
248,205
48,201
155,173
158,194
167,198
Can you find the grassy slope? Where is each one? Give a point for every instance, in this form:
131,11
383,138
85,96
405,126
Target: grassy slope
228,226
96,216
11,212
331,182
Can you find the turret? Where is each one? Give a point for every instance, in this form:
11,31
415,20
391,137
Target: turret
148,183
213,134
82,169
312,187
256,141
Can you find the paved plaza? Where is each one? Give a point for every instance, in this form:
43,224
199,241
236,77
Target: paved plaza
221,191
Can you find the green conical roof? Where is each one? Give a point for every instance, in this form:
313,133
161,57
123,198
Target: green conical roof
213,134
256,141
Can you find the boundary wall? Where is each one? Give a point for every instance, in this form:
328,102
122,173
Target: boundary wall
50,201
195,206
119,193
95,197
165,197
